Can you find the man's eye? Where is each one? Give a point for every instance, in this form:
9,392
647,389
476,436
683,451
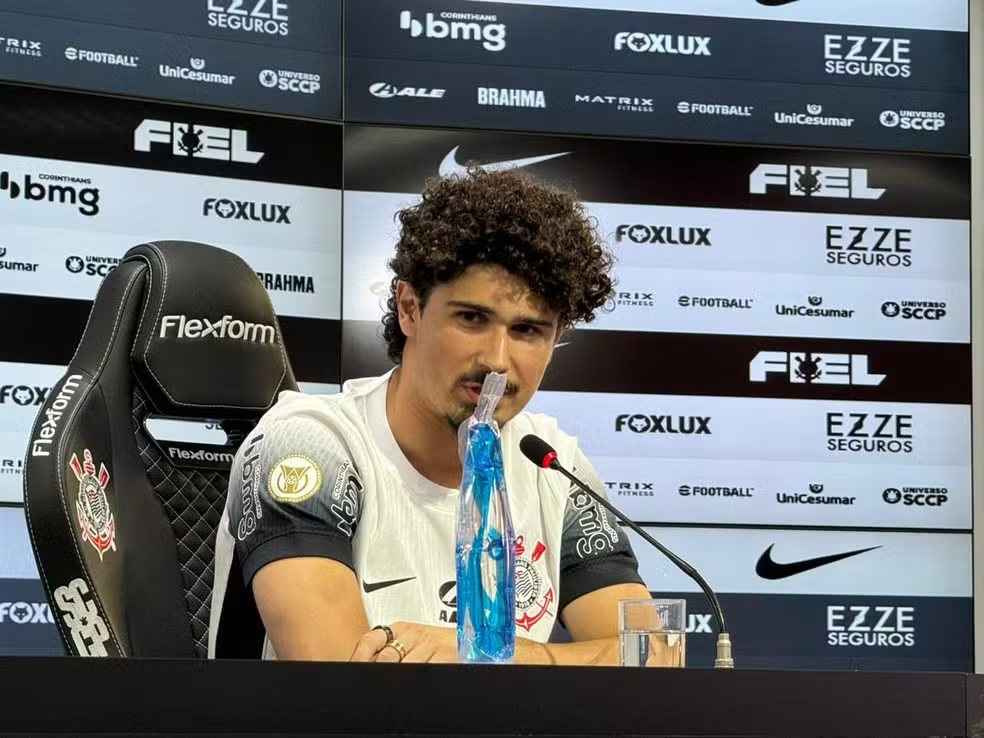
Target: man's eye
470,316
527,330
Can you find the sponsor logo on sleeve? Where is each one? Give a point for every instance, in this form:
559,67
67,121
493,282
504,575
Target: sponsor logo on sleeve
294,478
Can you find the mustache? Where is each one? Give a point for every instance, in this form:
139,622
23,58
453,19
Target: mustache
479,379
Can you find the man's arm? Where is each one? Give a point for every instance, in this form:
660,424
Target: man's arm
294,505
597,570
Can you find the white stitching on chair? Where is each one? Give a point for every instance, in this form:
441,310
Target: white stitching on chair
58,454
144,357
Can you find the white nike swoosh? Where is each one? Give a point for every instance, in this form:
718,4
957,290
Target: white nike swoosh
450,166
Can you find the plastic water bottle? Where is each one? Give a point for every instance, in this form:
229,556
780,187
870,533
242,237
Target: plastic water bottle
485,546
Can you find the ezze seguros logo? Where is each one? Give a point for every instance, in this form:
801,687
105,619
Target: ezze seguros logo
254,16
869,246
881,433
201,142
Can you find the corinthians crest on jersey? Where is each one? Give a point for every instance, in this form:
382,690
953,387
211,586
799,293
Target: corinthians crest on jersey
96,519
534,590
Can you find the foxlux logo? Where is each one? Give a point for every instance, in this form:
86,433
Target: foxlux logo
51,188
23,613
246,210
661,43
862,625
457,26
808,181
23,394
225,327
256,16
666,235
869,246
690,425
202,142
866,56
813,368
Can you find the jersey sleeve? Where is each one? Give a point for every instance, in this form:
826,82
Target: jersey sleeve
595,551
293,491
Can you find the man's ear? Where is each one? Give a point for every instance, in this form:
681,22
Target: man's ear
407,308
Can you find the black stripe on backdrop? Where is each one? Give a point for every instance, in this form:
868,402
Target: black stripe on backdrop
86,128
43,330
380,159
716,365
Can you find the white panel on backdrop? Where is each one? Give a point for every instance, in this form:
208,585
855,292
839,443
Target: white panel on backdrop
23,389
796,255
763,430
302,281
917,564
16,555
749,492
171,205
943,15
748,303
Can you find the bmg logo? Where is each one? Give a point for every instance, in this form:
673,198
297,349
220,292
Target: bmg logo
457,26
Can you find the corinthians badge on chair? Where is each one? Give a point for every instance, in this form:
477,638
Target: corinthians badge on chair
95,517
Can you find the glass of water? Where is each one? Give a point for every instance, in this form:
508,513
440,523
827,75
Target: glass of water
653,633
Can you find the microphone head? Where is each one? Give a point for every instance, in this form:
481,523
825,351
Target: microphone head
538,451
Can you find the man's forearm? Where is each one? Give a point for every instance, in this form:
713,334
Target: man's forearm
601,652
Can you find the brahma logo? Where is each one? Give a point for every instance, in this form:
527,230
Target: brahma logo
226,327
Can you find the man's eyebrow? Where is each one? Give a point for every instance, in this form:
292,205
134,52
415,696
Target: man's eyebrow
486,310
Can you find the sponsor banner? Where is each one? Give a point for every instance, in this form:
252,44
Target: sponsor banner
808,562
27,624
882,435
183,68
749,303
16,556
735,366
311,343
630,104
834,632
670,174
668,44
144,135
707,239
43,194
13,449
23,389
300,282
310,25
747,492
945,15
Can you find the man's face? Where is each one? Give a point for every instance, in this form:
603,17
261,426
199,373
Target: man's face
486,320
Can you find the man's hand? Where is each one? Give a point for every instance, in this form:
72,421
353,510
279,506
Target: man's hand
423,643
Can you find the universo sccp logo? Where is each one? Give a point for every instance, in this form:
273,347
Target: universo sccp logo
305,83
914,310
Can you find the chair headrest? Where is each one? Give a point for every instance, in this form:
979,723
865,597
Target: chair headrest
208,337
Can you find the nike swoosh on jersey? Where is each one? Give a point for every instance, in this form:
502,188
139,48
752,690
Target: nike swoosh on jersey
450,166
769,569
376,586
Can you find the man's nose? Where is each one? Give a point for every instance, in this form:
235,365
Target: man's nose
494,355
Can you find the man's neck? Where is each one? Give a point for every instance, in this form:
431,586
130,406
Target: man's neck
428,441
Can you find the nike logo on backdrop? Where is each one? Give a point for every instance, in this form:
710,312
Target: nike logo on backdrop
370,588
769,569
450,166
775,3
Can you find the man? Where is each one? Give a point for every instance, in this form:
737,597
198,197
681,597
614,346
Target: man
341,512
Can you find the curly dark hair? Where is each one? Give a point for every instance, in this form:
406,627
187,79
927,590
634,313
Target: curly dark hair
507,218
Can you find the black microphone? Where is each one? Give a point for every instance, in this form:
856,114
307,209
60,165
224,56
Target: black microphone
540,453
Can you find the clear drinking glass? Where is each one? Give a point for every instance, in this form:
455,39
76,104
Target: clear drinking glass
653,633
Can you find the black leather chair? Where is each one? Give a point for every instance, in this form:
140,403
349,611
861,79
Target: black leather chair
123,526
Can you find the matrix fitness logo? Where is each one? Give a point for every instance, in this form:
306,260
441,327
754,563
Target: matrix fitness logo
266,17
52,189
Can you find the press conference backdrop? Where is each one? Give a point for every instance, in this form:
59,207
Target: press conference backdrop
782,387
